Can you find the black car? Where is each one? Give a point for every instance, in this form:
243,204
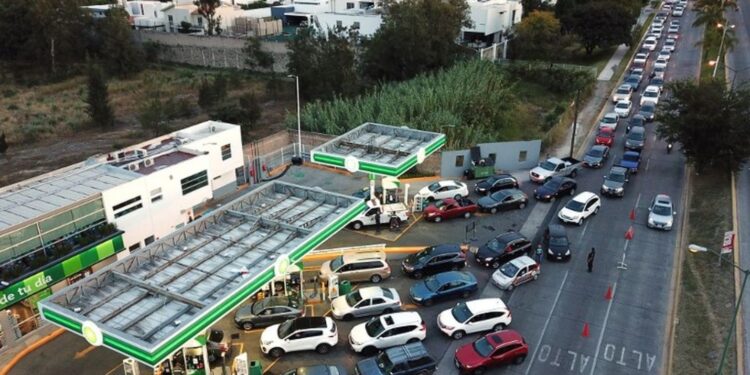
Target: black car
634,81
647,111
595,158
409,359
266,312
495,183
636,120
636,139
503,248
318,370
503,200
556,242
434,259
614,182
556,187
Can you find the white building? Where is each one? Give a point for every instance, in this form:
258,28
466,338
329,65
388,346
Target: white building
178,12
366,23
147,14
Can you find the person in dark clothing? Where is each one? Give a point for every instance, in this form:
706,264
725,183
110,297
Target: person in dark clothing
590,259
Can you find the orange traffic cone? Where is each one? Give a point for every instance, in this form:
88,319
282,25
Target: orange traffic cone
608,295
585,332
629,234
632,214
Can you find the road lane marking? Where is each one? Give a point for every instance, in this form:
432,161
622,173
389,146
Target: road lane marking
546,323
637,200
580,237
604,328
265,370
648,161
84,352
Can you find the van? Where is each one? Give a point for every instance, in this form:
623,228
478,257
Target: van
357,266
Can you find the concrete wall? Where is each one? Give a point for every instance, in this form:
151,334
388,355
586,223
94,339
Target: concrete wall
508,157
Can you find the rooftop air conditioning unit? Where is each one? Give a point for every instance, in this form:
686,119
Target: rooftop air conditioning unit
133,167
148,162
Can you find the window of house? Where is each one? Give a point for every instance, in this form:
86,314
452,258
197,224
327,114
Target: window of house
339,24
156,195
200,21
134,247
126,207
149,240
349,5
226,152
355,25
522,156
459,160
194,182
493,156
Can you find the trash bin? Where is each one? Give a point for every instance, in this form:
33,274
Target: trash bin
255,368
345,287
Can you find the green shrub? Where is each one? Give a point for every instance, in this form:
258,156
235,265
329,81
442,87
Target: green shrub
36,128
9,93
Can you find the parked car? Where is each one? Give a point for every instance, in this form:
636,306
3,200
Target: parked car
640,59
605,136
630,160
502,248
670,44
267,311
661,213
665,54
609,120
494,183
444,189
596,156
580,208
409,359
647,111
556,243
615,181
386,211
299,334
373,300
677,12
634,81
474,316
317,370
555,167
434,259
623,108
357,266
443,285
555,188
494,349
660,63
387,331
636,139
516,272
650,43
636,121
503,200
450,208
657,82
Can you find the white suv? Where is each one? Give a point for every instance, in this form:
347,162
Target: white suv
474,316
386,331
307,333
580,208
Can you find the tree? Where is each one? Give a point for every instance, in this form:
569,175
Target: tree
3,143
207,9
406,44
16,27
256,57
538,37
709,121
602,24
324,63
245,111
185,27
118,52
97,99
211,93
530,6
153,116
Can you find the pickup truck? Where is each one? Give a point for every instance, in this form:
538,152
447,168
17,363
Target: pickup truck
388,211
449,208
630,160
552,167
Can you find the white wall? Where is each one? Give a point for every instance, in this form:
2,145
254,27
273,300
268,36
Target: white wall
221,172
493,16
368,24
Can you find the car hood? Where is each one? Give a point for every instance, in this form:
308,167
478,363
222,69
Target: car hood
484,185
270,334
544,190
569,213
468,357
486,202
660,218
541,171
485,252
368,366
634,141
425,191
628,163
431,209
613,184
592,159
420,290
446,318
339,304
359,335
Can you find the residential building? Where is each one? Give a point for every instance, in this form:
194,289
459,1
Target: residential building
490,19
147,14
365,23
178,12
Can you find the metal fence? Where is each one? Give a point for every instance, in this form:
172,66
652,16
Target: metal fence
20,330
277,150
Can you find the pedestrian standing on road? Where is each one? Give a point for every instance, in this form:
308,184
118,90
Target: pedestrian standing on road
590,259
539,252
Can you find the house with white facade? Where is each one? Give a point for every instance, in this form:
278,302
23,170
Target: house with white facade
147,14
182,11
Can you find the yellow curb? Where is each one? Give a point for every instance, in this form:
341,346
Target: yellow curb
739,326
387,250
29,349
419,179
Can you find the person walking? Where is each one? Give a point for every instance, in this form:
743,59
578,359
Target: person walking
539,252
590,259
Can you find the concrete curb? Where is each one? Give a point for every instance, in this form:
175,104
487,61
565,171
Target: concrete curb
29,349
740,325
388,250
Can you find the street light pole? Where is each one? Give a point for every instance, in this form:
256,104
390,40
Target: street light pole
299,120
721,46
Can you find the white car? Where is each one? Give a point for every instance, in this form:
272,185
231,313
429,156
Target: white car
516,272
660,63
674,23
640,58
580,208
658,21
669,45
609,120
664,54
678,11
386,331
651,94
657,28
624,92
444,189
666,7
659,71
623,108
661,213
299,334
372,300
673,29
479,315
673,35
387,211
650,43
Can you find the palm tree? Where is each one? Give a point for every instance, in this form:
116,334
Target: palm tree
709,15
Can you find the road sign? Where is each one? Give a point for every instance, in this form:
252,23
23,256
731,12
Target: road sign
728,245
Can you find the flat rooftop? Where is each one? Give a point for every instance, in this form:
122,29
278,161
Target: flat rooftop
379,149
150,303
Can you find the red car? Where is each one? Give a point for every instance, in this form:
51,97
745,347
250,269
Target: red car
606,136
496,348
449,208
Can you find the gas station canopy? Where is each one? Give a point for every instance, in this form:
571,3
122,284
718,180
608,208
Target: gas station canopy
149,304
378,149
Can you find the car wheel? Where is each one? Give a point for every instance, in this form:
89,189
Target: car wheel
495,265
510,287
247,326
323,348
580,222
536,276
522,205
572,192
348,317
357,225
467,215
438,219
412,340
458,335
369,350
499,327
387,310
276,352
493,210
574,173
465,294
428,302
375,278
596,210
457,197
518,360
478,371
417,275
430,199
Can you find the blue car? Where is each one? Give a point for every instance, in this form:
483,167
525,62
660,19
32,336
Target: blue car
443,285
630,160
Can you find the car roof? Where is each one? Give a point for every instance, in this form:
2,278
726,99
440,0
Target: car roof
318,370
556,230
625,87
618,170
448,183
584,196
307,322
652,88
481,305
663,198
400,318
594,147
371,292
636,153
562,178
444,277
507,335
365,255
445,248
624,101
611,114
509,236
523,261
277,301
403,353
637,129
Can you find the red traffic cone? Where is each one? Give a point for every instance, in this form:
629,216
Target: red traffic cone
585,332
629,233
608,295
632,214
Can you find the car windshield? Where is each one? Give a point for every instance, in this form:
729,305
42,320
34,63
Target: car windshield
384,363
558,241
495,245
353,298
499,196
651,94
548,165
432,284
440,204
662,210
623,105
387,293
553,184
374,327
609,119
605,134
636,136
574,205
509,270
630,157
337,262
483,347
623,90
461,312
657,81
647,108
434,186
596,152
285,329
617,177
491,180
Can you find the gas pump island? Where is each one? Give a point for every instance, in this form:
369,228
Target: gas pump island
157,305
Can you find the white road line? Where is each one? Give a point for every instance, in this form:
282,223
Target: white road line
604,328
637,200
648,161
580,237
546,324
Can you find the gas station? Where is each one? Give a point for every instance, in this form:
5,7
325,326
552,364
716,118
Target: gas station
157,305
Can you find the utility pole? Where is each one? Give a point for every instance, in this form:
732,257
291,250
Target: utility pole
575,122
